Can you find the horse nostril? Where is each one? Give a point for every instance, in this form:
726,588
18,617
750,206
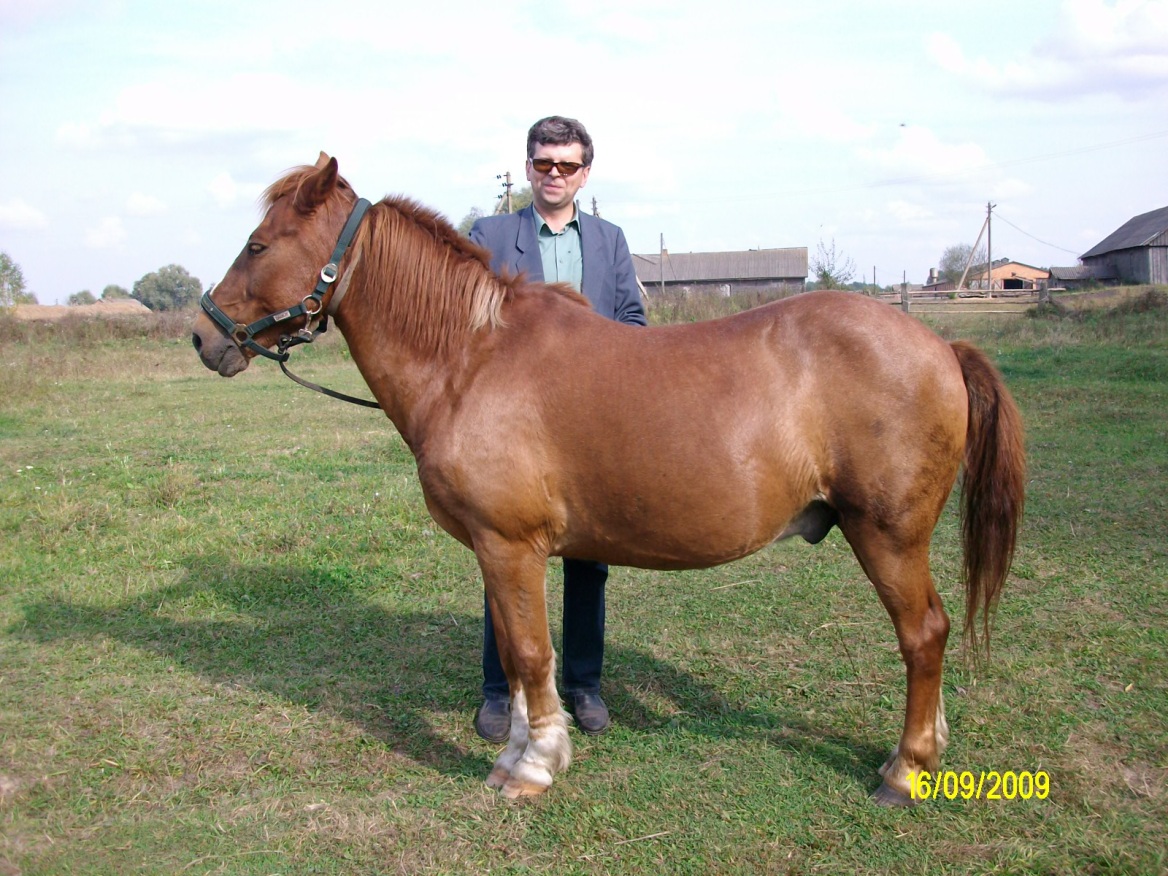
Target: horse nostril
197,341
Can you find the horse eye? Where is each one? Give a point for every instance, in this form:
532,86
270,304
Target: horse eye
255,248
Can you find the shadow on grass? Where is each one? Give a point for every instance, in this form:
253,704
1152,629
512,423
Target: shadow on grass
706,711
309,636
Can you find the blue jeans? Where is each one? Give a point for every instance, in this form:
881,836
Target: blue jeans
583,651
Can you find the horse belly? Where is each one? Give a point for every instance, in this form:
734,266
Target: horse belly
684,520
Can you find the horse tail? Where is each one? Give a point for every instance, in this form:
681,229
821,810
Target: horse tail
993,487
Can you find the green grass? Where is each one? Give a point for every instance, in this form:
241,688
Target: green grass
232,641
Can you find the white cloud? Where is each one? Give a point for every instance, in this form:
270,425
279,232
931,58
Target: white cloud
906,212
76,135
816,110
1095,47
1010,189
109,233
172,110
139,204
225,190
19,215
920,154
936,180
24,12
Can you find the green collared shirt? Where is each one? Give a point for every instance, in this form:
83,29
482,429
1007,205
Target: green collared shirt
563,259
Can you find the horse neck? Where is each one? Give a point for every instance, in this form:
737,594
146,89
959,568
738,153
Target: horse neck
417,302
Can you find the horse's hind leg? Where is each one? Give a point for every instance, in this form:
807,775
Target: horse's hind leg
538,746
900,572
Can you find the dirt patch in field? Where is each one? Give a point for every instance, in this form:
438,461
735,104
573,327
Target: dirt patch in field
56,312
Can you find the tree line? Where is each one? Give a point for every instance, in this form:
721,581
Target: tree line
169,288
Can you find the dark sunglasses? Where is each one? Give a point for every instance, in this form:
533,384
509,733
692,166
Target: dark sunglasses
545,165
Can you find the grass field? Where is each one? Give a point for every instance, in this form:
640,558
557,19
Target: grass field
232,641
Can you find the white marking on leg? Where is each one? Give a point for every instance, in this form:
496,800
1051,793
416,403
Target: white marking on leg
549,749
891,760
517,742
942,725
548,752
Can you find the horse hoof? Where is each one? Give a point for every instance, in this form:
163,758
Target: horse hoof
498,778
515,788
886,795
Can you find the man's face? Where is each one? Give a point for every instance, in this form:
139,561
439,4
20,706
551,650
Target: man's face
553,191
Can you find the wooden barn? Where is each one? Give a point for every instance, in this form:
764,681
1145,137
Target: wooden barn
727,273
1136,252
1007,275
1072,277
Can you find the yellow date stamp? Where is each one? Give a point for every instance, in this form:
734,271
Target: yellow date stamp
967,785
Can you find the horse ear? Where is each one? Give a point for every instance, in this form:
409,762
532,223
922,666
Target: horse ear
322,161
317,186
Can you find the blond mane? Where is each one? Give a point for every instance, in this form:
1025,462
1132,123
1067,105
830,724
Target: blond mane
428,281
419,275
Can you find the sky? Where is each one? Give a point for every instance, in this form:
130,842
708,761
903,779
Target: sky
136,134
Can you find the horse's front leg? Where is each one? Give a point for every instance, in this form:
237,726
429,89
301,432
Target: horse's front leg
538,747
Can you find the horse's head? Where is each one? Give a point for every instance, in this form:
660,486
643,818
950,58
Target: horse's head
279,266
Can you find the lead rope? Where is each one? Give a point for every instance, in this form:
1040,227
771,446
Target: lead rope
331,393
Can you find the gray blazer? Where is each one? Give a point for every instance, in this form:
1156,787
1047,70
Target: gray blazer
609,280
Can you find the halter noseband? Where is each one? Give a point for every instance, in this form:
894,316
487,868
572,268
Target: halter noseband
310,307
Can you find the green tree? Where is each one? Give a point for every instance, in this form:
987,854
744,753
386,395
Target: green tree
955,258
82,297
169,288
12,290
831,269
469,220
519,200
113,291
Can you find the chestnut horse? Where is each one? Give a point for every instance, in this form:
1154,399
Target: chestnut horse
542,429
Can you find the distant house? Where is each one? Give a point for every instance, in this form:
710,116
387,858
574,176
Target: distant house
728,273
1136,252
1007,275
935,284
1071,277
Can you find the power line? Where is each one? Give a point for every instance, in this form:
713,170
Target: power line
934,178
1032,237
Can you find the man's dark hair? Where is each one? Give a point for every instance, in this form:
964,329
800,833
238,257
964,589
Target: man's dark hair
559,131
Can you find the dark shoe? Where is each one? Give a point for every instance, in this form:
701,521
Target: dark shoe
591,713
493,720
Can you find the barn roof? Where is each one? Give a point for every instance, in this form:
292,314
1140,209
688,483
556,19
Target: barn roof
1074,272
1138,231
754,264
1001,263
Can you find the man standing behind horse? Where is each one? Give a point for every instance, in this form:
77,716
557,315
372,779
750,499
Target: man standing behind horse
553,242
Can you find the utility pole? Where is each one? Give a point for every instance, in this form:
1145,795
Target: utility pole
505,198
985,226
990,244
661,264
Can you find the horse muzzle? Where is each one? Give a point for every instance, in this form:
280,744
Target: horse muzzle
218,352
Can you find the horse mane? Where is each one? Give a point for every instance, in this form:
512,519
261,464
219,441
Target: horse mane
432,284
420,276
425,279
